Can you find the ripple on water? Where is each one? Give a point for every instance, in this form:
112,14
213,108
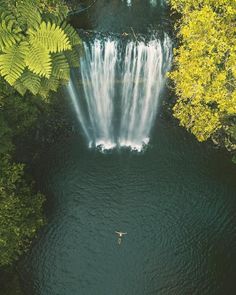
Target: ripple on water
179,214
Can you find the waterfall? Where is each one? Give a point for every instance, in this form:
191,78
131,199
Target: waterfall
121,84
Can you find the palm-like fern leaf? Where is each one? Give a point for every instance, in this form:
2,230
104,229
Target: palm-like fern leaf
60,66
47,85
72,57
31,81
51,37
38,60
12,62
28,13
52,83
18,85
71,33
9,35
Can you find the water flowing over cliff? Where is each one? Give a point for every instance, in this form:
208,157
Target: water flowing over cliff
121,85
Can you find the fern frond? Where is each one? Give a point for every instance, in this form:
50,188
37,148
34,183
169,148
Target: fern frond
12,62
48,85
9,34
43,92
52,83
31,81
18,85
72,57
4,8
38,60
60,66
51,37
71,33
28,13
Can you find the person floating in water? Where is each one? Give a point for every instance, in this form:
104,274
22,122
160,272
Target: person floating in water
120,236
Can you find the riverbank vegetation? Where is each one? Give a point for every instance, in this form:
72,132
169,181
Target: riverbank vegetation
37,49
204,72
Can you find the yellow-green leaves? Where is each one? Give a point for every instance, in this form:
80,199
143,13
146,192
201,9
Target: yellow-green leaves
51,37
34,43
205,65
9,34
60,66
38,60
12,62
200,119
28,14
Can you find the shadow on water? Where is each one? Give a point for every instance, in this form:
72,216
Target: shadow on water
116,16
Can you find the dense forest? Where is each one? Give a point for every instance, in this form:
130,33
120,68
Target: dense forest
37,49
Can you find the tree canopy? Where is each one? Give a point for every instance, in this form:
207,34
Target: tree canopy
204,70
20,212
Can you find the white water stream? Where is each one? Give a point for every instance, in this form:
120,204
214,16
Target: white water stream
121,90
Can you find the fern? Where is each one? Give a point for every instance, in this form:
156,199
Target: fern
37,47
71,33
31,81
12,62
18,85
28,13
51,37
60,67
8,34
73,58
50,84
38,60
47,85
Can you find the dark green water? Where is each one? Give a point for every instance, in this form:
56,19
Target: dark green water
116,17
177,202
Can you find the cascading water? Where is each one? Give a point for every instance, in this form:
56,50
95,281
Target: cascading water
121,89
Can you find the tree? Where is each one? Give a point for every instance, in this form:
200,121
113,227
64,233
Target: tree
21,212
37,45
204,71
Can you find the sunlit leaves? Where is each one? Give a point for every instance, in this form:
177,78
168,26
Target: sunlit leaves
38,60
205,65
35,39
12,62
51,37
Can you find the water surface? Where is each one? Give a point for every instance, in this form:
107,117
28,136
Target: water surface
176,201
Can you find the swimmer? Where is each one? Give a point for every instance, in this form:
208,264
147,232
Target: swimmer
120,234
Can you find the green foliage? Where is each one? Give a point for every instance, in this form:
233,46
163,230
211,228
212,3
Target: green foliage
32,34
204,71
38,60
21,212
12,62
5,136
20,208
52,37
